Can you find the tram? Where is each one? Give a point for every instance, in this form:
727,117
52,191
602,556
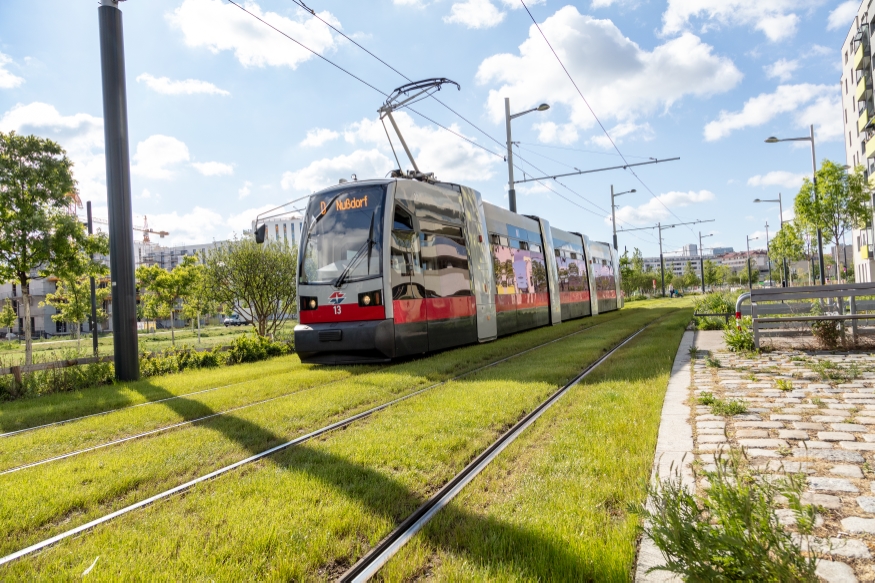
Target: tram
405,266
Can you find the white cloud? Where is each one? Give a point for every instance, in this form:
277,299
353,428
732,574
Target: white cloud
777,19
146,194
415,3
187,87
213,168
219,26
782,69
434,149
619,132
156,155
777,178
243,221
843,15
245,190
620,80
475,14
655,210
318,136
325,172
820,50
7,79
80,134
817,104
550,132
197,226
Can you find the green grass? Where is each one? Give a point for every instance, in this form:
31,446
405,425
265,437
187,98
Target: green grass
72,491
306,512
558,504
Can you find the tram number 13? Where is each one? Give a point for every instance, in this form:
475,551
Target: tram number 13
336,310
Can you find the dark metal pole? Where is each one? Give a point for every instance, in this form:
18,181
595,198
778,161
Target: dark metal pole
749,277
118,191
511,191
661,262
93,288
816,199
613,217
702,262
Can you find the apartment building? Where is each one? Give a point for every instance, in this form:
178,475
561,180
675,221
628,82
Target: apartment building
858,116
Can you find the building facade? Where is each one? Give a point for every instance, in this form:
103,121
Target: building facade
858,116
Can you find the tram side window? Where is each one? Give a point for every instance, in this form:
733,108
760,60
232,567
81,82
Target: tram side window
445,265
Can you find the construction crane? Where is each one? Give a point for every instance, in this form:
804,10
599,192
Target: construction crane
144,229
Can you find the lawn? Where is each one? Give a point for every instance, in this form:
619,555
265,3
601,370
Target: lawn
587,460
318,506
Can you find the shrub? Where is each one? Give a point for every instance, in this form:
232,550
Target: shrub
730,532
714,303
248,348
58,380
739,340
177,360
728,408
828,332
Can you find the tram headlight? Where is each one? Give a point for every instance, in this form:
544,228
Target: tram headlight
308,303
367,299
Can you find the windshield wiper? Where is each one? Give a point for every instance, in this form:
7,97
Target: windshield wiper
341,279
322,214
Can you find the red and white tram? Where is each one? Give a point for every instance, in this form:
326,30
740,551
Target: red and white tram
397,267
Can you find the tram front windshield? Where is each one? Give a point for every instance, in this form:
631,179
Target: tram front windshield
343,241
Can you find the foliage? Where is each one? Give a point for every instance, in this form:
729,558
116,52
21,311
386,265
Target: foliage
705,398
72,300
828,332
162,290
837,203
58,380
787,244
691,280
7,315
634,278
678,282
728,408
713,303
259,281
38,234
739,340
784,384
253,348
730,532
198,301
713,362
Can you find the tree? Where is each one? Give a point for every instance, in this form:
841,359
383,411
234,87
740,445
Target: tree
787,245
7,316
259,281
712,272
198,301
690,276
38,234
838,204
72,302
163,290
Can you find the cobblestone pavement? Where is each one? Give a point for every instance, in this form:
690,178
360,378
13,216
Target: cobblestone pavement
806,412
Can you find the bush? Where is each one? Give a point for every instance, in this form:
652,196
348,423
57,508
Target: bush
731,532
58,380
714,303
248,348
739,340
828,332
177,360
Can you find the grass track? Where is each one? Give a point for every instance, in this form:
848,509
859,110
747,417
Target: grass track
310,511
587,460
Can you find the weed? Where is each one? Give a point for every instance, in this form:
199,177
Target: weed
706,398
828,332
829,371
728,408
854,372
713,362
818,401
739,340
694,352
731,532
798,359
784,384
751,377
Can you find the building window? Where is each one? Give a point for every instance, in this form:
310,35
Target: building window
277,231
846,57
285,234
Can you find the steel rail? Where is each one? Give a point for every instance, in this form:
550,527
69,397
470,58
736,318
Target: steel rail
193,421
373,561
297,441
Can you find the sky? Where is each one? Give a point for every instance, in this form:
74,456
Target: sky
228,117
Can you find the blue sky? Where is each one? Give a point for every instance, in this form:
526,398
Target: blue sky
228,117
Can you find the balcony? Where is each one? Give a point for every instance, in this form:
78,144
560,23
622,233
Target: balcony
864,88
870,148
861,57
866,116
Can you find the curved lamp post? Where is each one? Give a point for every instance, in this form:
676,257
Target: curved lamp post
511,191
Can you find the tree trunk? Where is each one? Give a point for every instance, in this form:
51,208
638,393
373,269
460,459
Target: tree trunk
28,336
77,335
172,335
198,328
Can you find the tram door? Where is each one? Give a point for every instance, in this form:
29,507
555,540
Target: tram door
408,289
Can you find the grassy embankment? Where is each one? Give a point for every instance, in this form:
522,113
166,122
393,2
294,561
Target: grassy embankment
558,504
311,511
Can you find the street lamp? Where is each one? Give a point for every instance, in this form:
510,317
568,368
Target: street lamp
810,138
702,257
613,214
749,277
511,191
784,271
768,258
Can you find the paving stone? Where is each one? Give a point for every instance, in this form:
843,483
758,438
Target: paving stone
867,503
847,470
830,455
762,443
720,424
856,524
747,418
786,418
831,484
866,420
711,431
792,434
808,425
817,444
757,452
840,409
835,436
827,419
742,433
711,438
852,427
835,572
708,418
827,501
760,424
845,547
868,437
783,466
857,446
787,517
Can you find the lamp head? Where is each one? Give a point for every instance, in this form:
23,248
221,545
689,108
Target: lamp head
757,200
772,140
633,190
543,107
